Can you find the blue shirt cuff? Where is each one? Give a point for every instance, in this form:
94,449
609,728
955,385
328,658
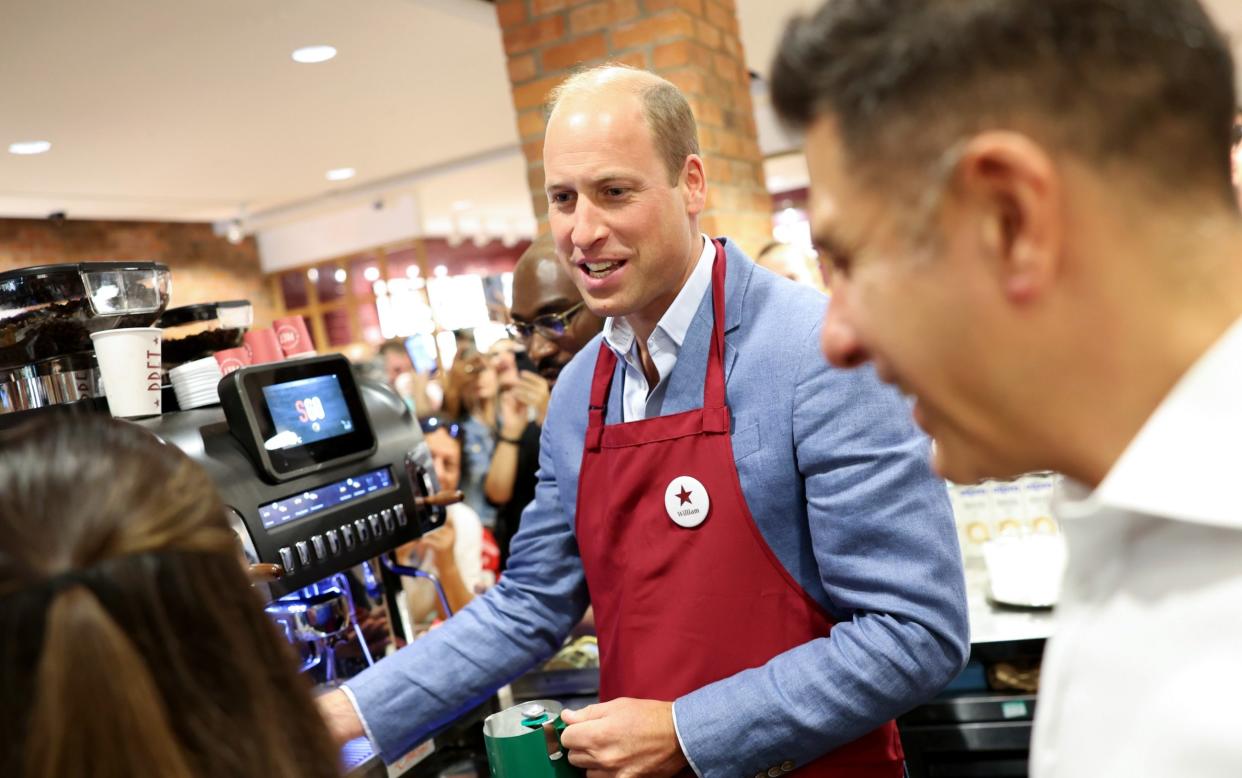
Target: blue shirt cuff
349,695
681,744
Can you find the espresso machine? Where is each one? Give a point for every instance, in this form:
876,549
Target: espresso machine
323,475
47,315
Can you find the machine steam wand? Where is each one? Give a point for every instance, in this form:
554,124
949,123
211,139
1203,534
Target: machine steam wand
421,481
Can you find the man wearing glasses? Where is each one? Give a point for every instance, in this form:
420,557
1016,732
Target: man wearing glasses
551,320
772,565
549,315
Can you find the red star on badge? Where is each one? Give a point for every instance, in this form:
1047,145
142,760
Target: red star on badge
684,495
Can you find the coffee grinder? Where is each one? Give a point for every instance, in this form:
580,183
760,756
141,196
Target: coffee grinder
47,315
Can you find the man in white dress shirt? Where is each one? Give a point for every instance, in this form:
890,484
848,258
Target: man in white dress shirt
1028,212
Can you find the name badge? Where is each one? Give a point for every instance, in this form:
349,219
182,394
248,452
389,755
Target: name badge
687,502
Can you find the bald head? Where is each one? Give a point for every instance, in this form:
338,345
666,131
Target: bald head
793,262
664,107
538,274
542,287
606,78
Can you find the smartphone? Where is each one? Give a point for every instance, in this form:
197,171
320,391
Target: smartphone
524,362
422,351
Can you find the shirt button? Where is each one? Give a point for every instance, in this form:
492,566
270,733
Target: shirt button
787,767
761,774
775,772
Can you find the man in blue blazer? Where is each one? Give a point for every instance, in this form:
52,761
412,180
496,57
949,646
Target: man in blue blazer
831,468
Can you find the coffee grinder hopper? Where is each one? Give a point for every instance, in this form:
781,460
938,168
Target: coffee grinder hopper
47,315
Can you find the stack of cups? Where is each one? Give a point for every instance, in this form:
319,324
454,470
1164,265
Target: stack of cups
129,364
195,383
263,346
294,339
232,359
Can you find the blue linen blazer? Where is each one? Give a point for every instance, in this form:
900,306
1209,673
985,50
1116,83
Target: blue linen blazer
837,478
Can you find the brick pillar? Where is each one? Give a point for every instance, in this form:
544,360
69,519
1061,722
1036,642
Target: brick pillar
693,43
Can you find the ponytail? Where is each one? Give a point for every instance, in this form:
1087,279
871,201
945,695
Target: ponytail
97,711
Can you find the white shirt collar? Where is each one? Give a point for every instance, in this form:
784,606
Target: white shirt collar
1186,461
675,322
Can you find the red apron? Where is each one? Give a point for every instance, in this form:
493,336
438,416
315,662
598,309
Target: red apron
686,591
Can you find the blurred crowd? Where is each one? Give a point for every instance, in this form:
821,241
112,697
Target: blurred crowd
482,419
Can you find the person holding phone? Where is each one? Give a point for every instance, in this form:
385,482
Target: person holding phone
550,324
521,407
417,387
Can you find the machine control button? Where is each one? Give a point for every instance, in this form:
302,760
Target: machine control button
347,532
286,559
375,524
334,541
364,532
321,550
399,509
390,522
303,552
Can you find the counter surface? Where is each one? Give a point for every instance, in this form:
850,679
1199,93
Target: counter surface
993,623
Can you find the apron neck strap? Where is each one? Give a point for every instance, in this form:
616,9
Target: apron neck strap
601,383
714,386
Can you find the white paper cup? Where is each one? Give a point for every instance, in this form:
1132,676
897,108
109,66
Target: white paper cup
129,362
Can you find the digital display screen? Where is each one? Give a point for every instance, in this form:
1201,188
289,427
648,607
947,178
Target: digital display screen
308,503
305,411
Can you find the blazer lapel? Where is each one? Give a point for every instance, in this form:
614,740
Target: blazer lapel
685,388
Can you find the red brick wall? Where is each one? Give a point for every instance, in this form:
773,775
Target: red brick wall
204,267
693,43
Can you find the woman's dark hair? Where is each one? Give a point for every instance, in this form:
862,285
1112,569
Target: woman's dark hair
133,642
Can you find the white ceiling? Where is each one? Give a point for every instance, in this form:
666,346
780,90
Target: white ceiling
193,110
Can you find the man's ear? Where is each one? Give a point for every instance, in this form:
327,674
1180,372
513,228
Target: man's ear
1011,191
694,184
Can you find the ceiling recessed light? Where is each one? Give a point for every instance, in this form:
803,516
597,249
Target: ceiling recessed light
341,174
462,205
308,55
29,147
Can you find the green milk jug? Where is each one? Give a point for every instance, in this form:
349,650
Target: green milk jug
525,742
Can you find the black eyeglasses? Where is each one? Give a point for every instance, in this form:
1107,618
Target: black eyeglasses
550,325
433,423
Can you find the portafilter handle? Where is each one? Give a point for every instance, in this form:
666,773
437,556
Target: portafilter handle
427,493
441,499
265,572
